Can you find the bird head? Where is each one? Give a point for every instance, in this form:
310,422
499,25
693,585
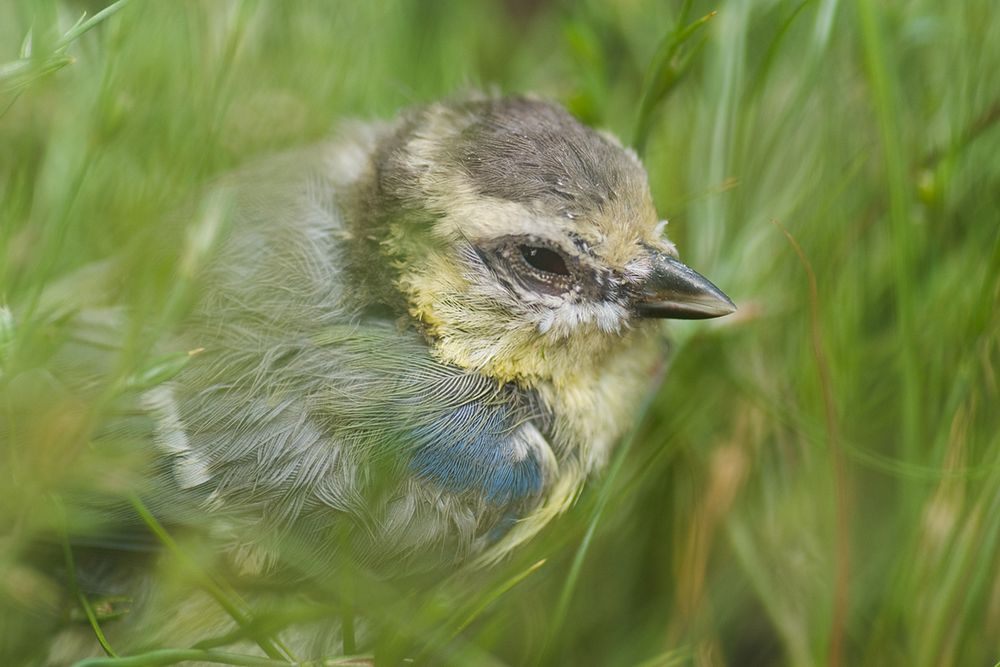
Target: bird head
527,245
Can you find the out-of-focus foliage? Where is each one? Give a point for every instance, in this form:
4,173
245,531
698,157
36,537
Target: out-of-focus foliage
817,482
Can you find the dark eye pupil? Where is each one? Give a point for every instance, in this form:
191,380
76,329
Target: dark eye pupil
545,260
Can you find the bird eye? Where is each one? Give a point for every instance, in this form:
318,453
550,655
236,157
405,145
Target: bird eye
545,260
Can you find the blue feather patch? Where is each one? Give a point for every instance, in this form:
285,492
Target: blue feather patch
470,450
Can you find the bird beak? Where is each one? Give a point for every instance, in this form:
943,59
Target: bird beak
676,291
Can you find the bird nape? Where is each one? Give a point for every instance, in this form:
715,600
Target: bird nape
407,349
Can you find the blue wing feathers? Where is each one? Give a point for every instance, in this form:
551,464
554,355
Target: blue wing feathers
469,450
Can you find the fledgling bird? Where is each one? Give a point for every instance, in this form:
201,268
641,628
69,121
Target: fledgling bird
417,339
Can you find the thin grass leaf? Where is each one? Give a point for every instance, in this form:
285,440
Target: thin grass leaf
662,75
164,657
80,596
838,464
84,25
608,487
492,596
227,598
896,165
764,69
19,74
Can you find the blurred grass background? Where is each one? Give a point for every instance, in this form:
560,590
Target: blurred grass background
818,480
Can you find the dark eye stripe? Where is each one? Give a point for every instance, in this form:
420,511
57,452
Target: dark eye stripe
545,260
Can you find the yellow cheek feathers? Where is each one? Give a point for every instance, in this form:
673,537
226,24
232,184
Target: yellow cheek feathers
590,376
472,333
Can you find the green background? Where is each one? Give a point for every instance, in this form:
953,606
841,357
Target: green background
817,481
